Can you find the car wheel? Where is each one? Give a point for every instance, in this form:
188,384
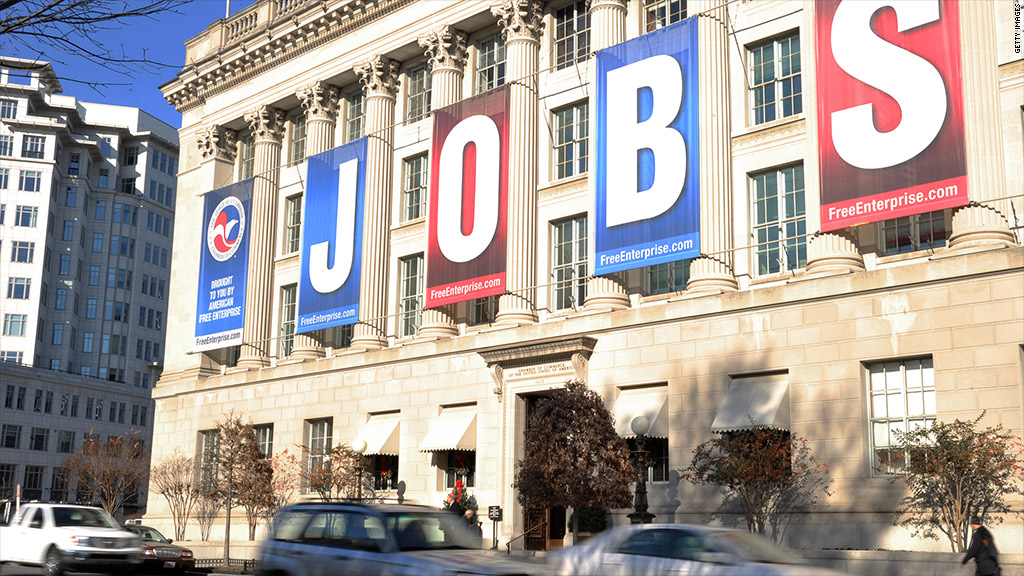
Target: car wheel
52,566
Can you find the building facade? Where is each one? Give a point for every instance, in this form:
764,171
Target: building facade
787,314
87,195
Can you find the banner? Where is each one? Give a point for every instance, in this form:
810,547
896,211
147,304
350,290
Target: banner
332,238
223,265
890,110
467,211
647,189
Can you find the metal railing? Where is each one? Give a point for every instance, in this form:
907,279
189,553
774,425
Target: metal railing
244,564
508,545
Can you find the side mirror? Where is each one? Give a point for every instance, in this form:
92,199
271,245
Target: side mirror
716,558
169,541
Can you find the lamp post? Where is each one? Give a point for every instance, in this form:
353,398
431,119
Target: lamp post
640,426
359,446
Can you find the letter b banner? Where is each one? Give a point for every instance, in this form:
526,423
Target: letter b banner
647,188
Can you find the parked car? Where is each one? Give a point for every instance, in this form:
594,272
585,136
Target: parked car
666,549
329,538
62,537
160,553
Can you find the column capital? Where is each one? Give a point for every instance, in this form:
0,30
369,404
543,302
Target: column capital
216,142
446,47
520,19
320,100
266,123
379,76
597,4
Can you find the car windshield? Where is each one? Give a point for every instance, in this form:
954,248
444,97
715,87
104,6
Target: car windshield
82,517
147,534
430,531
755,548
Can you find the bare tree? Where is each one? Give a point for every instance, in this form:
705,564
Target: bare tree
285,483
111,468
574,457
244,475
207,508
334,474
175,478
76,27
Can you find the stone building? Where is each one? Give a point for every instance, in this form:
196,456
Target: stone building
839,333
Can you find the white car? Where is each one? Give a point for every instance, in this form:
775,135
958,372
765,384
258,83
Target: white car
679,549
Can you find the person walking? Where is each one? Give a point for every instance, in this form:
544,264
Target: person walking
982,550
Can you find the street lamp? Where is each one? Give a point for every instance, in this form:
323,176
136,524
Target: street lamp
640,426
359,446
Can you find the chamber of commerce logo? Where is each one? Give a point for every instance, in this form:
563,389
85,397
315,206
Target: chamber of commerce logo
224,233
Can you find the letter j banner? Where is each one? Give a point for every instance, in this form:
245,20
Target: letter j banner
647,190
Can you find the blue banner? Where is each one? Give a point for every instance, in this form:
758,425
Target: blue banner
332,237
647,191
223,265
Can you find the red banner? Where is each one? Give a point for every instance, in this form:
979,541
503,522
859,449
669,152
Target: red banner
890,110
466,224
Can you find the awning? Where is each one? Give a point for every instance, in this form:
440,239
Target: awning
453,429
651,402
381,434
754,402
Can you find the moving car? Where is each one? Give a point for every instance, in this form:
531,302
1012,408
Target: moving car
61,537
667,549
329,538
159,552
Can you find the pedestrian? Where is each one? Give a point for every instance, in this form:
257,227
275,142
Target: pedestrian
983,550
473,522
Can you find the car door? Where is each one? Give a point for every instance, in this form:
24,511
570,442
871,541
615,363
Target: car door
347,542
652,551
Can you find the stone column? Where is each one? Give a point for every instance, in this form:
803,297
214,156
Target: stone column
827,252
522,23
379,77
984,222
267,125
446,49
714,271
320,101
607,28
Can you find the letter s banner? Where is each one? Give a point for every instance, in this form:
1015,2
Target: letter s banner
467,211
646,187
890,109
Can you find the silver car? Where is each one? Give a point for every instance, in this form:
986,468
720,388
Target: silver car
331,538
678,549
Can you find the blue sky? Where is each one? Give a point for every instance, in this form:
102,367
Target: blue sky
164,41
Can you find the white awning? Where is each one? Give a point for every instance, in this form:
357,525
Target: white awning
381,434
453,429
754,402
651,402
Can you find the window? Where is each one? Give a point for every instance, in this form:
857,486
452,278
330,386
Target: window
94,275
9,397
292,224
11,356
780,231
6,145
59,485
667,277
33,483
571,140
572,34
356,112
19,288
661,13
11,436
287,320
208,447
58,334
458,465
29,180
37,404
8,108
15,324
62,299
101,210
104,178
414,192
130,156
775,89
490,63
40,439
65,264
69,231
71,198
657,457
411,304
26,216
569,262
265,439
74,164
74,404
22,391
298,145
483,310
912,233
417,102
318,442
5,177
33,147
128,185
342,336
383,468
902,398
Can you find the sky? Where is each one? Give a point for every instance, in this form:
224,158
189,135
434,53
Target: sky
164,40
